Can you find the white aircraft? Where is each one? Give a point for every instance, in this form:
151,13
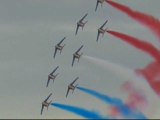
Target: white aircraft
71,86
80,23
59,47
51,76
45,103
77,55
101,30
99,2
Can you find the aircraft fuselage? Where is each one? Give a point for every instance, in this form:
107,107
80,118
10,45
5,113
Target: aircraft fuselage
45,104
51,77
59,47
81,24
101,30
71,87
76,55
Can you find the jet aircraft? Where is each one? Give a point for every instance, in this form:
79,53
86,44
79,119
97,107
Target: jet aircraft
101,30
80,23
51,76
59,47
45,103
76,55
72,87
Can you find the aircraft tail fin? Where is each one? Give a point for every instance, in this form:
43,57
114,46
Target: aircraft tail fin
75,87
104,32
49,104
84,24
80,56
62,48
55,77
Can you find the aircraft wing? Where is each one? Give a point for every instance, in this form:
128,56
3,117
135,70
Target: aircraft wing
83,17
98,36
67,92
54,70
96,5
42,109
48,82
73,60
77,29
104,24
55,52
79,49
61,40
74,80
48,97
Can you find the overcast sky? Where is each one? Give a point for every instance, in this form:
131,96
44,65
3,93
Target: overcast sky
29,30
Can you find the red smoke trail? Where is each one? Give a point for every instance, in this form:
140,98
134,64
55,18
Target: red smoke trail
142,45
114,112
152,23
152,74
136,98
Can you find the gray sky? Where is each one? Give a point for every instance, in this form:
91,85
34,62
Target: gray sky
29,30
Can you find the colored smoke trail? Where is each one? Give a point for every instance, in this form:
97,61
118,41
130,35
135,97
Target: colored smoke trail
149,21
137,99
140,44
115,68
131,75
123,72
152,75
124,109
79,111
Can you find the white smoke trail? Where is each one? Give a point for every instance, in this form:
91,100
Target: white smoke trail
129,74
115,68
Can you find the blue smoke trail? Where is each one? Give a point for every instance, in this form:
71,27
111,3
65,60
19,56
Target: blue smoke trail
124,109
79,111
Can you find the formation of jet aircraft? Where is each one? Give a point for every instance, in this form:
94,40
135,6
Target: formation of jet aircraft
58,47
